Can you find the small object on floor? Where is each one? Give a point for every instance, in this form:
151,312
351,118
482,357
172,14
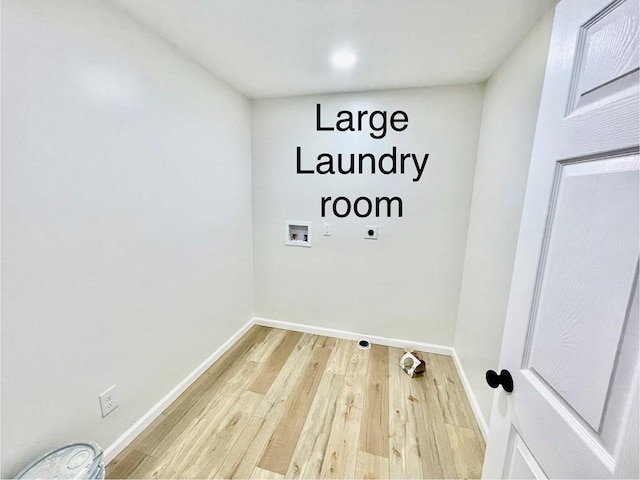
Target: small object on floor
412,364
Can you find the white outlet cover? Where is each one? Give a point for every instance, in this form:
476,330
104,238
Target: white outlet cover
108,401
371,232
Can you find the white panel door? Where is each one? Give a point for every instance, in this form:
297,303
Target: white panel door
571,335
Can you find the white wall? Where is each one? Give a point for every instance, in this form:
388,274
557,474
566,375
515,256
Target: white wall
506,137
407,283
126,221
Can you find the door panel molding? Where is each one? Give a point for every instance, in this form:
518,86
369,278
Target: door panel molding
568,337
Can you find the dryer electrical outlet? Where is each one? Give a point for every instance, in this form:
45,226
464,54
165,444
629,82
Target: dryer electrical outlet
371,232
108,402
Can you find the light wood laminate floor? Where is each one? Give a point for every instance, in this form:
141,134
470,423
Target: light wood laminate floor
282,404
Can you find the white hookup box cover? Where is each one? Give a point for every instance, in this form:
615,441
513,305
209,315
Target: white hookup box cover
78,460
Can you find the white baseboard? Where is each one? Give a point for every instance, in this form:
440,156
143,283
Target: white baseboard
127,437
136,429
475,406
331,332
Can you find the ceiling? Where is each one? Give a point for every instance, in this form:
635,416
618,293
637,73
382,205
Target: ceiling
275,48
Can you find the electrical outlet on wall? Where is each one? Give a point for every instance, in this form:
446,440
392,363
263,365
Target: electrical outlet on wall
108,402
371,232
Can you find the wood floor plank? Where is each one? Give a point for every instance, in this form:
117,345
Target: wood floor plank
213,402
435,450
148,440
404,450
280,449
210,458
340,356
245,453
467,452
293,370
179,449
273,365
264,350
452,400
356,376
370,466
145,469
342,447
325,342
262,474
306,461
374,433
125,464
158,440
463,405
